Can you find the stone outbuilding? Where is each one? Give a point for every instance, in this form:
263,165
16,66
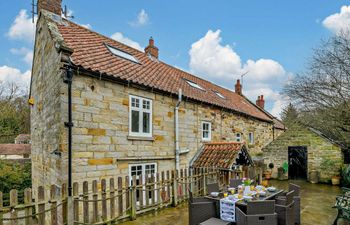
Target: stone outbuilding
304,149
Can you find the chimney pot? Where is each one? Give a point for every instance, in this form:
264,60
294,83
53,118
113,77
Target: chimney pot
238,87
151,42
53,6
260,101
151,48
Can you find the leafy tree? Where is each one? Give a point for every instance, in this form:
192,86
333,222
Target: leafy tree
14,112
289,114
14,176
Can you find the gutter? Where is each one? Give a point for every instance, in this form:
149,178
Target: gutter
177,148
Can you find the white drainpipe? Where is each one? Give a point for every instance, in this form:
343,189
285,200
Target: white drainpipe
177,147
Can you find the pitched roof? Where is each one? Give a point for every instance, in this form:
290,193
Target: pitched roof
15,149
219,154
90,52
278,124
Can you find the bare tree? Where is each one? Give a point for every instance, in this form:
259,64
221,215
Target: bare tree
322,93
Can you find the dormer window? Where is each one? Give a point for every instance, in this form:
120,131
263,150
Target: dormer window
120,53
195,85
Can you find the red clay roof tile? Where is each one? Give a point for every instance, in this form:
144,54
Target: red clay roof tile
15,149
91,53
218,154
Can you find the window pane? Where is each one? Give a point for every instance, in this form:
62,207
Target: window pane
205,134
146,104
205,126
135,102
146,122
135,121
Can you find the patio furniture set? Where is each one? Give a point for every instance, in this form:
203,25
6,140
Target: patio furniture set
275,207
343,205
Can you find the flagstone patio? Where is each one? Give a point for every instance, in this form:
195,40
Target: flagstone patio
316,207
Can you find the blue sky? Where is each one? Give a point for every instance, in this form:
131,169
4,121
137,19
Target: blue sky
217,40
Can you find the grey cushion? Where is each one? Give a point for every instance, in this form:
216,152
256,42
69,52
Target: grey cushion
215,221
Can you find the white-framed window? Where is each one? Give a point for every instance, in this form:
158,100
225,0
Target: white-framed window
238,137
251,137
206,131
140,116
142,172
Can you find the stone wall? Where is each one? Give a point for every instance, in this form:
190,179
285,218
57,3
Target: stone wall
46,125
101,143
318,147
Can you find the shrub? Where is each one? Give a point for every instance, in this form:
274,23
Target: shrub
14,176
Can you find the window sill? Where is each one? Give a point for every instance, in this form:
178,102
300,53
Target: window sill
140,138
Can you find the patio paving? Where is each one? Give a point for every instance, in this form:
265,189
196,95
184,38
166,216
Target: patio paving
316,207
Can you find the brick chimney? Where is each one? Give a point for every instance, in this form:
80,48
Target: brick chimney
260,101
53,6
151,49
238,87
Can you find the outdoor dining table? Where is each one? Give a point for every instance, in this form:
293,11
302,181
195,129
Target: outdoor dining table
241,203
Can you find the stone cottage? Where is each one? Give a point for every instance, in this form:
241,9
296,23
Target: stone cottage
304,149
131,113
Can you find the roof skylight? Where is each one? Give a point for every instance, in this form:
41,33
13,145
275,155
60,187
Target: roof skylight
219,94
122,54
195,85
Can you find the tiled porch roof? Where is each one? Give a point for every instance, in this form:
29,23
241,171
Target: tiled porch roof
219,154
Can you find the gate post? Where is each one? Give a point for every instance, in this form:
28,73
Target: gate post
133,199
70,208
175,185
204,171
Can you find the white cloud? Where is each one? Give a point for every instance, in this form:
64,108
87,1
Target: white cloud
22,27
208,57
121,38
220,64
10,74
142,19
338,21
26,53
264,69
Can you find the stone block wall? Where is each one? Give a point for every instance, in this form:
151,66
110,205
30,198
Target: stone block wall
318,147
101,143
46,126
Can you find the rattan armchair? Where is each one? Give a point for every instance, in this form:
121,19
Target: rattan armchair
285,209
214,187
200,209
297,203
234,183
257,213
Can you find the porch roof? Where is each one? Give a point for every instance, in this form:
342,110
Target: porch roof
222,155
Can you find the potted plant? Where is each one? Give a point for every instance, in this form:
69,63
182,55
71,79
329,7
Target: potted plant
268,173
329,165
246,183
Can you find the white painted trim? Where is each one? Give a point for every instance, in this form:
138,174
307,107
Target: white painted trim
209,129
143,174
141,110
251,137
